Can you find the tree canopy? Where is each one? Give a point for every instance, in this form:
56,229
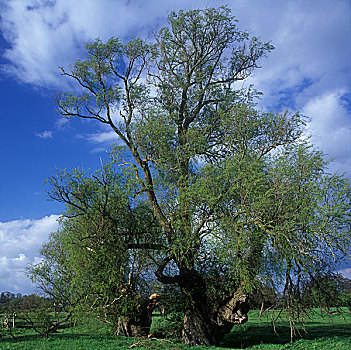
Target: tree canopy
209,194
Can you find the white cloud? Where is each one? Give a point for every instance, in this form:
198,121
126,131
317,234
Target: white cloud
104,134
309,71
47,34
311,38
99,150
346,272
45,134
20,241
102,137
330,127
310,66
312,54
61,123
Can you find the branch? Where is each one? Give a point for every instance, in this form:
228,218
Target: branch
163,278
151,246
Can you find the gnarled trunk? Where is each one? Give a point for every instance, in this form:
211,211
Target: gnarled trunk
207,324
133,326
206,321
199,329
139,324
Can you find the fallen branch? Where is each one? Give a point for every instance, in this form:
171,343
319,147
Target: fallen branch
142,342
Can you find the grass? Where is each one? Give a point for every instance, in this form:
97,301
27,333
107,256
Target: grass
326,332
321,332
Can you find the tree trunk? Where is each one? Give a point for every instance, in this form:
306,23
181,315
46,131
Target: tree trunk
206,321
200,330
133,327
139,324
206,324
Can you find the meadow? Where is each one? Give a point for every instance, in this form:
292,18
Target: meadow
322,331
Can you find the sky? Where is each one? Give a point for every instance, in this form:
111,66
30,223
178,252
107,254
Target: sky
309,71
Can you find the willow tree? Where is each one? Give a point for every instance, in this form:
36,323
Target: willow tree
236,193
97,259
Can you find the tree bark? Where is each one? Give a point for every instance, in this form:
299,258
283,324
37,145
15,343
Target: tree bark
199,329
133,327
205,323
139,324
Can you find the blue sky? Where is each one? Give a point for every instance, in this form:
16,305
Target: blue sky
309,71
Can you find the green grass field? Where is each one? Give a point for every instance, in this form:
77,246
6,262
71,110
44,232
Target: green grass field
325,332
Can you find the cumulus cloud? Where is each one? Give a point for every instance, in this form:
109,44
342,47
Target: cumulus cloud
330,127
312,54
309,36
46,34
20,241
309,67
309,71
45,134
346,272
102,137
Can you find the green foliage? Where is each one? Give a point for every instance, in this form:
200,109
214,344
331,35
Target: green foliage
207,192
170,325
95,258
328,290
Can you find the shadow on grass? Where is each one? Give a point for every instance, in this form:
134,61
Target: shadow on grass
243,336
257,334
54,336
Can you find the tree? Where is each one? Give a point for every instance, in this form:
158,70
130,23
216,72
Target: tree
98,257
236,191
326,291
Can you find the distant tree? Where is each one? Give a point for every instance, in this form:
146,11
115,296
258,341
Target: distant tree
3,297
38,313
7,299
237,193
327,290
